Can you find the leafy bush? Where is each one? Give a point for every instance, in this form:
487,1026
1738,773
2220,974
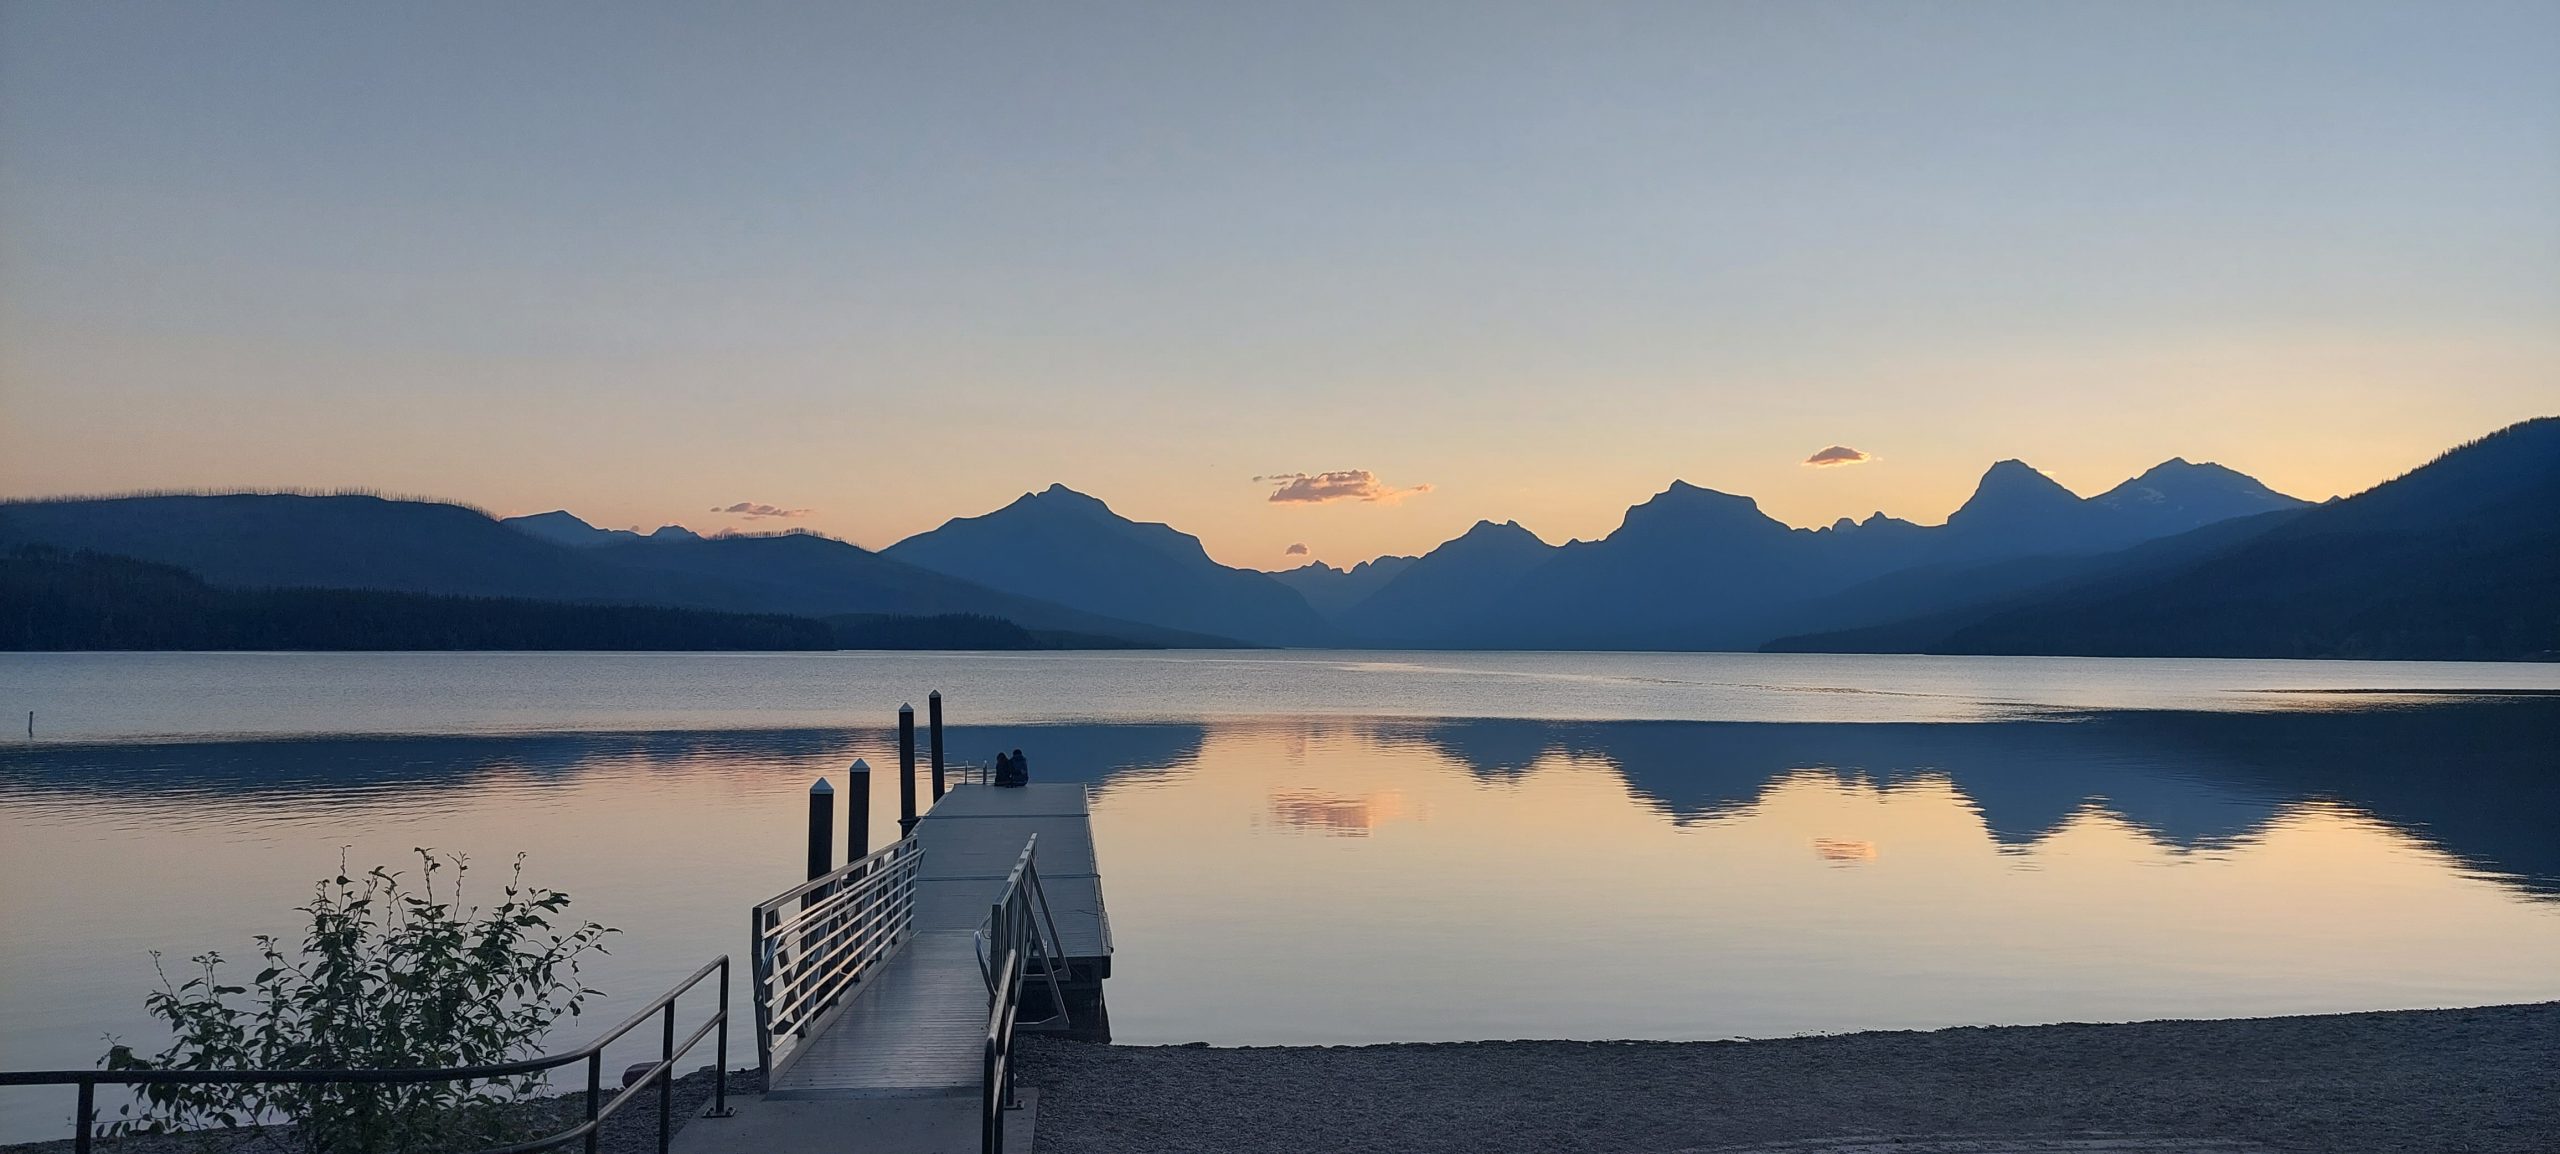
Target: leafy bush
387,977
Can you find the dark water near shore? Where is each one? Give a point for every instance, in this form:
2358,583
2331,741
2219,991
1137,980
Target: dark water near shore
1357,847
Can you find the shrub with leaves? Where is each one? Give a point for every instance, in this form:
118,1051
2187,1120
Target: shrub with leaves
388,976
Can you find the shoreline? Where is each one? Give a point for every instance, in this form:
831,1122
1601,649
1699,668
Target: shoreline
2485,1079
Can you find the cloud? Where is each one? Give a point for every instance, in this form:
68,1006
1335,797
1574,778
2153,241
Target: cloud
1339,485
1297,550
757,510
1839,455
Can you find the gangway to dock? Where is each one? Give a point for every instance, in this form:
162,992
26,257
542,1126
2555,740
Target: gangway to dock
903,974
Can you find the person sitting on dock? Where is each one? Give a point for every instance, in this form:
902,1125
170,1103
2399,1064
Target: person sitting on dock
1013,770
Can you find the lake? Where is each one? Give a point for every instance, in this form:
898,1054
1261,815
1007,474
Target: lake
1356,847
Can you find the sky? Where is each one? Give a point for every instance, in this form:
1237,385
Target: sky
860,269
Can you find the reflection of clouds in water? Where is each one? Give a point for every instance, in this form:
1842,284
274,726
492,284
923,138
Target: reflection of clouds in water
1316,811
1844,851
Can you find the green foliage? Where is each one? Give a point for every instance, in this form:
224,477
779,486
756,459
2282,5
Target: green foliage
387,977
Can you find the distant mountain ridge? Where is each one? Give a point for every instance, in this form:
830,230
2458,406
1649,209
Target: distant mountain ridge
562,527
1329,591
2458,560
1448,588
2453,559
1695,568
57,601
262,540
1066,547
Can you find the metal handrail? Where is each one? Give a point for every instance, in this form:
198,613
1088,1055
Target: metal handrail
660,1072
1012,937
996,1088
818,939
1020,910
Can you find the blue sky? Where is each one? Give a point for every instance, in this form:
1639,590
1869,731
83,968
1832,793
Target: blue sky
895,264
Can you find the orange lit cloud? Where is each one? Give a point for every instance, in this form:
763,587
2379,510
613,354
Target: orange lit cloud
1839,455
1339,485
757,510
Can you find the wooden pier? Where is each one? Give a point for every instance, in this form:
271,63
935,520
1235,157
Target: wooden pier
917,1025
888,991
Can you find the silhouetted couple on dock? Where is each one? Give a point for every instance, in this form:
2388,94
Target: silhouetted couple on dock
1013,769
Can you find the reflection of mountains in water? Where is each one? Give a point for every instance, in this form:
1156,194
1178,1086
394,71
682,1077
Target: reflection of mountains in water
2481,780
317,768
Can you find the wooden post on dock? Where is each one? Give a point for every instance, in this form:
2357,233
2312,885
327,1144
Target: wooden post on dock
906,770
857,817
822,828
933,723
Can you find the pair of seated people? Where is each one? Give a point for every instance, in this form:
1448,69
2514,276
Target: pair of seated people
1013,769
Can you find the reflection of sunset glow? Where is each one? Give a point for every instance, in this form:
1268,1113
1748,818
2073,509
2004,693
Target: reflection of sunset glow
1322,812
1260,893
1846,850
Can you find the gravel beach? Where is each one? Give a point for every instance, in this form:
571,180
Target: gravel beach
2476,1080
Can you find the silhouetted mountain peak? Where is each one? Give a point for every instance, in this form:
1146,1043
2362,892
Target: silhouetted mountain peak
1058,498
561,527
1483,531
1875,521
2179,469
1686,508
1064,546
2014,475
1059,508
2012,489
2192,494
1392,562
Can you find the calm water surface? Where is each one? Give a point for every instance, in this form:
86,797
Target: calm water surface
1316,847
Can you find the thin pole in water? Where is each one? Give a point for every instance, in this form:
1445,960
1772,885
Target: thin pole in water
857,818
906,770
933,712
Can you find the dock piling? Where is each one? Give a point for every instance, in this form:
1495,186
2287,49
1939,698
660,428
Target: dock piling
933,723
857,816
822,828
906,770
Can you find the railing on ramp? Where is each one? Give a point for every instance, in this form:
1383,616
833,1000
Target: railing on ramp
815,942
1012,951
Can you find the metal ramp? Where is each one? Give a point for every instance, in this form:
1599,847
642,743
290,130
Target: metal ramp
917,1028
873,982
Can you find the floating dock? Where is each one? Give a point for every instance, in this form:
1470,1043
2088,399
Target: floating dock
917,1025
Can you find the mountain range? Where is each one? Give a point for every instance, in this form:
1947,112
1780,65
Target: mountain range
2459,558
2456,560
276,540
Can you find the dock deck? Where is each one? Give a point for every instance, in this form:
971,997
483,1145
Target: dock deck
917,1028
